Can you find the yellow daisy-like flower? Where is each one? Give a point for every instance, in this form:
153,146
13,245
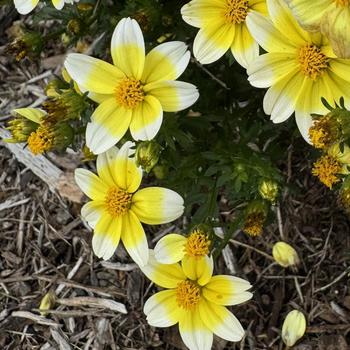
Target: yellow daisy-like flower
332,18
299,68
173,247
223,26
26,6
118,207
134,91
196,300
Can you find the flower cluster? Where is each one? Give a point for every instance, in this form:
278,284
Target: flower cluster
114,109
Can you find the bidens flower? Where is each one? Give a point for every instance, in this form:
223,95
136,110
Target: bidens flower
294,327
134,91
299,68
285,255
26,6
332,18
196,300
118,207
223,26
174,247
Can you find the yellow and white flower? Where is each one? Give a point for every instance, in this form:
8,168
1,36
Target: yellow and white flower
299,68
173,248
332,18
134,91
117,207
26,6
196,300
223,26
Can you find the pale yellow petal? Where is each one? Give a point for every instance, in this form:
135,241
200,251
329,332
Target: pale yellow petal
170,249
198,269
90,184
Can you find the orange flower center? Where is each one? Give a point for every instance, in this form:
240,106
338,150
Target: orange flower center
326,169
40,141
313,62
188,295
197,244
323,133
254,223
236,11
117,201
129,93
342,3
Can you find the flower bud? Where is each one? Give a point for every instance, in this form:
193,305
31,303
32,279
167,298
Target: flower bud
285,255
294,327
47,303
160,171
268,190
147,154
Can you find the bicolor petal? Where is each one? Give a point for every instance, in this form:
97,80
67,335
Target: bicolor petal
162,310
147,118
128,48
58,4
220,321
166,62
194,332
25,6
227,290
106,236
93,74
157,205
126,174
170,249
164,275
173,95
212,41
134,239
106,166
198,269
92,211
108,125
90,184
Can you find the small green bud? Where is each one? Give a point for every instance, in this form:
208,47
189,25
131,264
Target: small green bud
147,154
160,171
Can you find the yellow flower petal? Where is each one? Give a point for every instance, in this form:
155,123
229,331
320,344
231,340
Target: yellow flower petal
164,275
244,48
134,239
294,327
106,166
90,184
125,172
147,118
92,211
161,309
194,332
282,17
198,269
166,62
227,290
212,41
106,236
93,74
170,249
269,68
25,6
157,205
281,98
33,114
109,123
58,4
173,95
128,48
199,12
220,321
268,37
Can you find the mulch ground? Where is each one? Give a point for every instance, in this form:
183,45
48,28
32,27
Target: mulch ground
45,246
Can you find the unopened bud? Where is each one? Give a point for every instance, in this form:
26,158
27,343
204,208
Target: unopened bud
285,255
47,303
294,327
147,154
268,189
